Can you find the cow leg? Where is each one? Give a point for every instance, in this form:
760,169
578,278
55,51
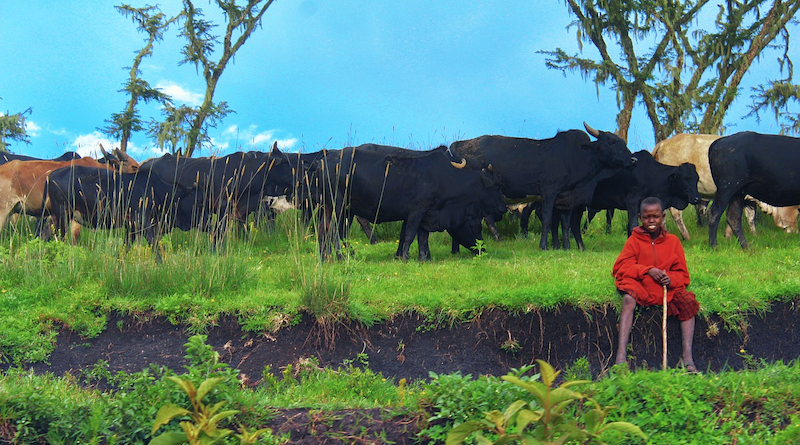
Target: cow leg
750,215
734,219
75,231
590,214
412,226
525,218
422,245
575,227
152,235
44,228
677,215
401,240
715,212
563,222
406,240
492,228
633,217
609,218
455,247
702,213
548,206
367,228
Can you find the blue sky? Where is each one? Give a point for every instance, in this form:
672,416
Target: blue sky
320,74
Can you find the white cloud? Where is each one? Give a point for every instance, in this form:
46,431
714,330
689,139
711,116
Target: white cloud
89,145
251,139
31,128
179,93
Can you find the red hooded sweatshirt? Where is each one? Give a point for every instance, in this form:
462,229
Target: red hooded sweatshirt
642,253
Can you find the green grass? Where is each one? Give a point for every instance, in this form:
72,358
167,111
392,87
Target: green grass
264,277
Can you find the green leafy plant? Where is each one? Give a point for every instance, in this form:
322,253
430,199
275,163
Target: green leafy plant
544,420
202,426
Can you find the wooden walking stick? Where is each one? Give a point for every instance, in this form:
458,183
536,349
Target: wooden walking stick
664,332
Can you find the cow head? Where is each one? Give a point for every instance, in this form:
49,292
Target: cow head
611,149
280,174
119,160
683,184
468,234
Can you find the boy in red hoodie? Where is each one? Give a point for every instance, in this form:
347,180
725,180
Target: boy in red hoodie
651,259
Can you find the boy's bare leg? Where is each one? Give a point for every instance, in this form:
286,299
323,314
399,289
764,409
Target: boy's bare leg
625,324
687,334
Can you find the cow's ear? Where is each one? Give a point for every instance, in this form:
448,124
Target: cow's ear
275,150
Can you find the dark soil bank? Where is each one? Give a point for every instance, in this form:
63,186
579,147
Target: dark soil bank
407,346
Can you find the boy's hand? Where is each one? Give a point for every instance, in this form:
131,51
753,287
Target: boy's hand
660,276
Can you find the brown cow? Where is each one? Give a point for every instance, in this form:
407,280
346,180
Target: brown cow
693,148
22,182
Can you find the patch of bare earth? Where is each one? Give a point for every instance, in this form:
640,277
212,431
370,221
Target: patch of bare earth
407,347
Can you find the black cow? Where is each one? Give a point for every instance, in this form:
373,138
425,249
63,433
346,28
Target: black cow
426,192
142,203
233,186
763,166
567,166
675,186
6,157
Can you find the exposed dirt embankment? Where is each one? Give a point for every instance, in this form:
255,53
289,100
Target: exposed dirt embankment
408,347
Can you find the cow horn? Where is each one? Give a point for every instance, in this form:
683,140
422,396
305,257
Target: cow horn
105,153
461,164
591,130
275,148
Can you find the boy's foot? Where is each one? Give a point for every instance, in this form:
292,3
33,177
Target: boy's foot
691,368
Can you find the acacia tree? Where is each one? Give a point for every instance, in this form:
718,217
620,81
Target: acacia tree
200,50
154,23
776,97
689,78
12,128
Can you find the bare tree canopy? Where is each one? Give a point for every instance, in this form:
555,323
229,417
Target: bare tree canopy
210,54
12,128
154,23
689,77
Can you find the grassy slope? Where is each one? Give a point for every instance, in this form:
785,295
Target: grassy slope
262,279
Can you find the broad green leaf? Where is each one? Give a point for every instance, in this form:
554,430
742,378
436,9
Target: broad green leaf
503,440
525,417
536,388
170,438
625,427
224,414
207,386
574,383
527,439
548,373
461,432
483,440
247,437
496,417
559,395
165,414
186,385
216,407
558,409
512,409
593,419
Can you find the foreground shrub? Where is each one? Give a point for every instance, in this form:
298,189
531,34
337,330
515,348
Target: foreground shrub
550,418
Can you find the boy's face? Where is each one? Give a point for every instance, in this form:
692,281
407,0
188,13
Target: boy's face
652,217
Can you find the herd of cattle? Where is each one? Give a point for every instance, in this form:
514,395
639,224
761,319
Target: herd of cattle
451,189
